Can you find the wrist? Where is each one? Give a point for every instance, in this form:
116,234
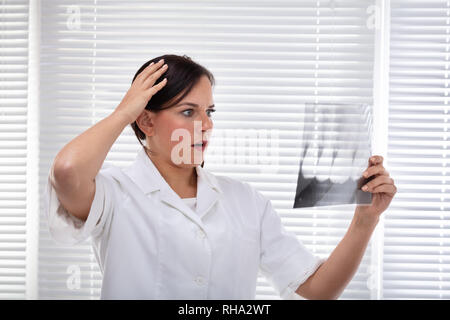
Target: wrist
122,117
364,219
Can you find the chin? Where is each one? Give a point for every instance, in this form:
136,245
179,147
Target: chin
190,164
187,165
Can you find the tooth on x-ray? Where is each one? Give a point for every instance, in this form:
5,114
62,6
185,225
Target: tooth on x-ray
336,147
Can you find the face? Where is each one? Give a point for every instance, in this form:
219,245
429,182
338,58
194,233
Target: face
172,132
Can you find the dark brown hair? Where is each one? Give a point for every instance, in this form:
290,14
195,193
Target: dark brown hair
182,75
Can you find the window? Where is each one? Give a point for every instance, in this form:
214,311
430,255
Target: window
416,237
13,148
269,59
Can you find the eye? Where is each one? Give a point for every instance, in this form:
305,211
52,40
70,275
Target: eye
190,110
188,115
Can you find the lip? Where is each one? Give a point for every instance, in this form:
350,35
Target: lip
205,143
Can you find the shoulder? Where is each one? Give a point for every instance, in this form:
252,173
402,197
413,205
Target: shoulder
228,184
242,190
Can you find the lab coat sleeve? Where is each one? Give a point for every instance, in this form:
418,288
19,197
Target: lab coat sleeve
284,260
67,229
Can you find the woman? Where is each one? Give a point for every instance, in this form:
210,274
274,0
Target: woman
164,227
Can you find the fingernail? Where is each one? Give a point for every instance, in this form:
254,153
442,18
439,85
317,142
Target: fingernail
161,60
365,174
365,188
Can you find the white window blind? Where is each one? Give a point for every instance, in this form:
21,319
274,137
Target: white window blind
13,147
269,58
417,225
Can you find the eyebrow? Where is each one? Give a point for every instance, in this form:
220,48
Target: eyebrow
192,104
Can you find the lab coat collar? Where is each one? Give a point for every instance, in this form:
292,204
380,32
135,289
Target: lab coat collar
145,174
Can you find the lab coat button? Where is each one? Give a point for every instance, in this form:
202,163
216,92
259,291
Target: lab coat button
200,234
200,280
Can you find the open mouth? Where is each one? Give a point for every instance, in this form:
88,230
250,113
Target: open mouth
200,145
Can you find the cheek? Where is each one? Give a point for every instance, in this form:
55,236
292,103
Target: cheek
170,126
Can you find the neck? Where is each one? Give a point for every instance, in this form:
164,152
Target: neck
182,180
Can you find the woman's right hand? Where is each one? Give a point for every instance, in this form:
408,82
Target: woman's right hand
141,91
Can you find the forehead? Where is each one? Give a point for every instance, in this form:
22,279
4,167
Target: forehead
201,93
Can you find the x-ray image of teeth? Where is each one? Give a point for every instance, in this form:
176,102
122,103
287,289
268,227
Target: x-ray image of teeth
336,148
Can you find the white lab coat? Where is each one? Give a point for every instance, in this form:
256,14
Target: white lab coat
151,245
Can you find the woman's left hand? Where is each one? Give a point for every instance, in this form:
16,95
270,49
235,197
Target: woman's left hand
381,186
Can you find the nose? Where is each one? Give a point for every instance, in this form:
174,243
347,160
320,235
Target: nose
207,122
202,127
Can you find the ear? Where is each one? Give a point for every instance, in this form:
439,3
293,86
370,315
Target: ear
145,122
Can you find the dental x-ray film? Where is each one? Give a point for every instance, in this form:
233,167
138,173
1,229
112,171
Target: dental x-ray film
335,151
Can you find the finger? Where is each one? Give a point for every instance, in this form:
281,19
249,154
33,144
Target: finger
145,72
373,170
370,186
154,89
386,188
149,70
151,79
374,160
